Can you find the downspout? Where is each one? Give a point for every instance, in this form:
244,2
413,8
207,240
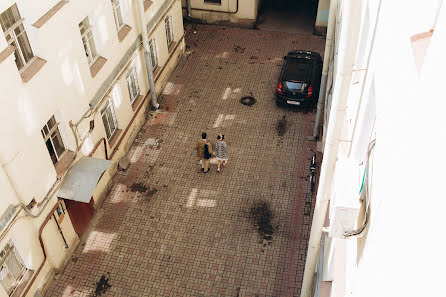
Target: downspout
188,8
50,214
327,51
147,56
348,40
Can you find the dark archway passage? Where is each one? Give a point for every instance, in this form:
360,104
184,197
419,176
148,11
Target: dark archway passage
293,16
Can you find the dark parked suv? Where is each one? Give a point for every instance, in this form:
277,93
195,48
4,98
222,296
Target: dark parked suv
300,79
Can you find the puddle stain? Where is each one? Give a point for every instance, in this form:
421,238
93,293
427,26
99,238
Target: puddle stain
262,215
102,285
281,126
138,187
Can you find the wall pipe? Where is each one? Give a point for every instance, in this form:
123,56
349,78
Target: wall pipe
327,52
60,231
188,8
346,57
96,147
28,287
147,56
142,103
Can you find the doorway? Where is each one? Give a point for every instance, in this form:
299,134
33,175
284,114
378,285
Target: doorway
80,214
293,16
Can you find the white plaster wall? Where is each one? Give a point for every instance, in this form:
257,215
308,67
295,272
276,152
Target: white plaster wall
401,251
63,87
8,195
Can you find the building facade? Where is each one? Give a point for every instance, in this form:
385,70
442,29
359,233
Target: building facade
377,224
75,91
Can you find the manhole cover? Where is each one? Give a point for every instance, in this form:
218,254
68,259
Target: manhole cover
248,100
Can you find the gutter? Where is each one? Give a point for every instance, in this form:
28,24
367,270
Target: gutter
328,44
47,219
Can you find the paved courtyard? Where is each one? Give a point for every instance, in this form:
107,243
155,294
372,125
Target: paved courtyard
166,228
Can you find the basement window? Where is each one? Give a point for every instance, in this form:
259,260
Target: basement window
12,268
213,1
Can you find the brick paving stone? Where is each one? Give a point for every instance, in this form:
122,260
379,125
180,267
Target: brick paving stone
193,234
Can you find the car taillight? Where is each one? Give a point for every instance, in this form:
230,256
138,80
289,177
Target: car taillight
279,88
310,91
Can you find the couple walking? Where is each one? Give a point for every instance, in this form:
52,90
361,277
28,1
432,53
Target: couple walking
205,152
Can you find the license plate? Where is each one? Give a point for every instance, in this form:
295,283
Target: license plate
293,102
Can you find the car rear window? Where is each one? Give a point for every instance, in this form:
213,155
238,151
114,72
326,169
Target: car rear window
293,85
297,69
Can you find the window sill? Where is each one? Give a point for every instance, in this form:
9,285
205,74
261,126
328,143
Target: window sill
123,32
64,162
6,52
147,4
115,137
96,67
171,46
136,102
32,69
23,283
47,16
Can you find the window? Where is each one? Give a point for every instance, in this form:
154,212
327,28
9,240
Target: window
88,41
12,268
132,83
153,52
12,25
169,30
53,140
109,119
117,13
213,1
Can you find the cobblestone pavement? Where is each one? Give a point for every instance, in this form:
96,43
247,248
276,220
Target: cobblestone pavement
168,229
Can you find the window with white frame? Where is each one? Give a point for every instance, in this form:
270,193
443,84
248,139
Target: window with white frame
12,268
88,40
12,25
132,83
109,119
117,13
53,140
169,30
153,52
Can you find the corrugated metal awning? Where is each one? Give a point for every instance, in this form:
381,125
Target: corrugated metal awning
82,179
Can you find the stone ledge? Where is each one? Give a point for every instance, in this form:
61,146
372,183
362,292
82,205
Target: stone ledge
115,137
147,4
94,69
6,52
136,102
32,69
45,18
123,32
62,165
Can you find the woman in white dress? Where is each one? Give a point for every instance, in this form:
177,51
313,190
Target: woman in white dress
221,151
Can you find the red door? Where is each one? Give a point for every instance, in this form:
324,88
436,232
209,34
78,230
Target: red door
80,214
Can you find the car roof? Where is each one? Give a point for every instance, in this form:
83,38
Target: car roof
297,69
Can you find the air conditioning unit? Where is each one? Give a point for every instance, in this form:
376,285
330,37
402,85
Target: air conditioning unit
344,200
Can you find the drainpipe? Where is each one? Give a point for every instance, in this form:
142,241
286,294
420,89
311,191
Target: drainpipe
327,51
351,20
148,58
188,8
